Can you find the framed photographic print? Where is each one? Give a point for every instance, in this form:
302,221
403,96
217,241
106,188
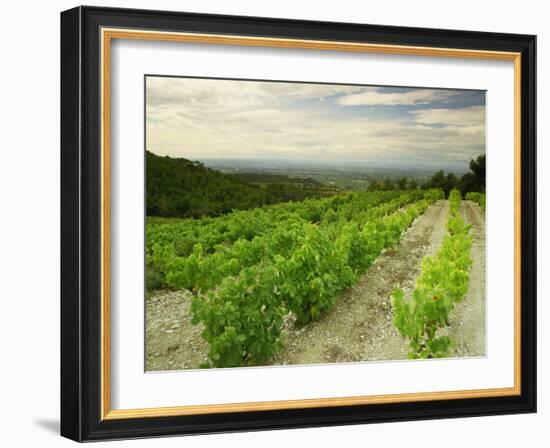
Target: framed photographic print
273,223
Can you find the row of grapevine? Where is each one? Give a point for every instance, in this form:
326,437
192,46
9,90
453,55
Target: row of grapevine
243,315
183,234
201,271
476,197
442,283
186,254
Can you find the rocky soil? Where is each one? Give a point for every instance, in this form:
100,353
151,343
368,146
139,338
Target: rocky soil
468,318
172,342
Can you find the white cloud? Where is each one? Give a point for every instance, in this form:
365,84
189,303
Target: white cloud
377,97
227,93
199,119
464,117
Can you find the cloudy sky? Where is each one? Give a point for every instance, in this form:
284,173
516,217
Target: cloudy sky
205,118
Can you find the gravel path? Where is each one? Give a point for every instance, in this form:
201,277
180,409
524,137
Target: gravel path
172,341
467,320
359,327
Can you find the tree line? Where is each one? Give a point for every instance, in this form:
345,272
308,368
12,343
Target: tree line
183,188
473,181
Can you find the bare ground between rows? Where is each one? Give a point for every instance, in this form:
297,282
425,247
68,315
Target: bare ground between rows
468,318
172,342
358,328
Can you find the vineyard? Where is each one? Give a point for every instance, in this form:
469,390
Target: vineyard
254,286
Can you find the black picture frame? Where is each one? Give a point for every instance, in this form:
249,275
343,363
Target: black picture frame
81,224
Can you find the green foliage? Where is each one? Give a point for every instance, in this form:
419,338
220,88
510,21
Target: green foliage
468,183
443,282
434,194
382,185
402,183
454,201
477,197
244,289
198,254
287,188
387,184
477,167
472,181
313,275
178,187
445,182
242,318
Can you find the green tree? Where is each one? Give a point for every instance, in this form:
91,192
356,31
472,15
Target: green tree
402,183
450,183
467,183
436,181
179,187
477,167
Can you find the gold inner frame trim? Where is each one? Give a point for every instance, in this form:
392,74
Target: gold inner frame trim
107,35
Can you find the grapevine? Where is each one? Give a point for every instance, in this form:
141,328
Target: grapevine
442,283
479,198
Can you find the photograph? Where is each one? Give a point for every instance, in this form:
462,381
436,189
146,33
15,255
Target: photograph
274,222
299,223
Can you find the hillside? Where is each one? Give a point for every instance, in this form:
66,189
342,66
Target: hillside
180,187
183,188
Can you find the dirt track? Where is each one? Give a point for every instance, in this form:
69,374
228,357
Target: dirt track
467,320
